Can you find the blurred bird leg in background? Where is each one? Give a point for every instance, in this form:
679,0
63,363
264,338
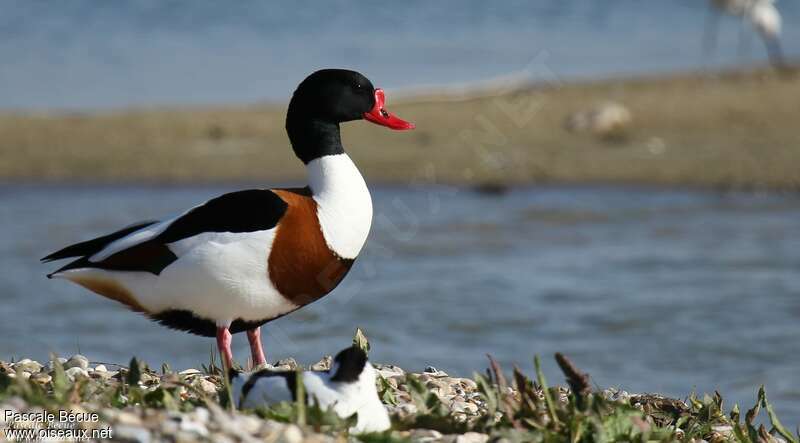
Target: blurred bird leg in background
711,31
745,39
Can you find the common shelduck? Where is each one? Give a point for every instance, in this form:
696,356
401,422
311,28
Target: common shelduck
349,388
242,259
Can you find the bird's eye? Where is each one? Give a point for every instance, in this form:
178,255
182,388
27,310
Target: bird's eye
358,86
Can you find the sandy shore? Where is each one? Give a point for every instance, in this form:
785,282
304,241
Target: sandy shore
732,129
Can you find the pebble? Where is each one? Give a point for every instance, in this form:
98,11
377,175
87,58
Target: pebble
76,372
322,365
286,364
146,378
619,395
128,418
269,428
6,368
388,371
425,435
28,365
656,146
465,407
472,437
606,120
202,414
435,372
51,364
721,432
406,409
291,434
13,405
249,423
185,437
131,433
221,438
194,427
467,383
170,426
42,378
77,361
101,374
207,387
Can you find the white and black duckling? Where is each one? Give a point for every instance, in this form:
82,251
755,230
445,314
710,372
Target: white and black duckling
348,387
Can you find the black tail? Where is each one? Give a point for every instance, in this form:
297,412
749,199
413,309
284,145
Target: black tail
82,262
93,246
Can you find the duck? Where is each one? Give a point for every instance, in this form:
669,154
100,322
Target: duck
240,260
348,387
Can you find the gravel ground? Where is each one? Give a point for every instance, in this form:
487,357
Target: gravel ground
211,422
91,401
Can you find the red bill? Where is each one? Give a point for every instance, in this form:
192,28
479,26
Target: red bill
380,116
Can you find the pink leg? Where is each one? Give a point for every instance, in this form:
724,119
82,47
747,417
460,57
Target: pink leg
254,337
224,345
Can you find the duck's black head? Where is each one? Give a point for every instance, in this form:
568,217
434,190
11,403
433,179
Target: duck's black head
325,99
348,365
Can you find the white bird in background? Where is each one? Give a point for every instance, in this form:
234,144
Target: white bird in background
762,15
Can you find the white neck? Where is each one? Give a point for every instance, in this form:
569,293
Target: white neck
344,206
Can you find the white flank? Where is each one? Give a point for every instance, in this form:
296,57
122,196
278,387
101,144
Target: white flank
218,276
347,399
344,206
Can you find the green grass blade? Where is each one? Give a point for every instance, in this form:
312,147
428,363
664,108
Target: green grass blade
551,405
773,418
300,395
134,373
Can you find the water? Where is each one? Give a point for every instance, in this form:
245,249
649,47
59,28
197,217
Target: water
95,54
649,290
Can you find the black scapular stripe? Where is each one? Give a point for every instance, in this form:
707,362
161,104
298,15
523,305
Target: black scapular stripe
241,211
91,247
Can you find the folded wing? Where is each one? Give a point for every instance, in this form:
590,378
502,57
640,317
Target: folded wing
145,247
